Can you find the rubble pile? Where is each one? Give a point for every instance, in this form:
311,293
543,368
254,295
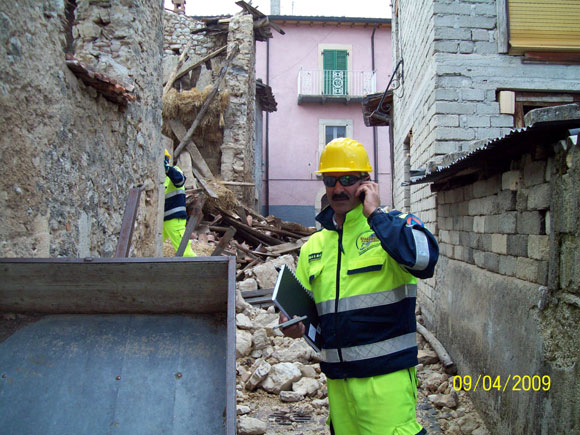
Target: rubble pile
280,388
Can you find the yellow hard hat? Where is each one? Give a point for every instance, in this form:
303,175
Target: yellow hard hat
344,155
167,153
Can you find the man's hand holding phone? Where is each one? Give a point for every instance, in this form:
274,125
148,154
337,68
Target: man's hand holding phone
368,192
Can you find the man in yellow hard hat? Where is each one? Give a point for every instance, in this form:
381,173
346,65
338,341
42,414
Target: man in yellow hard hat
175,213
362,271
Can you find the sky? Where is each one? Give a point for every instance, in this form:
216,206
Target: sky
332,8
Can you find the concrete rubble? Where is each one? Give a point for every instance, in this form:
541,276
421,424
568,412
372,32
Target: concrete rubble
280,388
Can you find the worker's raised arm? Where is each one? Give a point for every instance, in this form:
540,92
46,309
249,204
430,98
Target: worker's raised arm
175,175
407,240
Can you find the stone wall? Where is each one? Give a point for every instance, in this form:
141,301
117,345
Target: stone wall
507,300
447,97
70,156
230,156
238,147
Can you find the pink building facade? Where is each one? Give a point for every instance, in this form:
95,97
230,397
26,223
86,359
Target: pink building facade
319,71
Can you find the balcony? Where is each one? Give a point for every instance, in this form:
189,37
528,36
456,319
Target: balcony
335,86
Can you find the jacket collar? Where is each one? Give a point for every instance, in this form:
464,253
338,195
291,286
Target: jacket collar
326,217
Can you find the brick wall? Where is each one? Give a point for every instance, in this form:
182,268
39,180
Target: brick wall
499,223
507,297
447,95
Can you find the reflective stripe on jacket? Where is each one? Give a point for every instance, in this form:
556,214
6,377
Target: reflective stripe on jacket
365,298
174,195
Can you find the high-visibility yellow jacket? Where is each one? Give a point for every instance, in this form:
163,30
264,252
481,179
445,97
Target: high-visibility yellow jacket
363,279
174,194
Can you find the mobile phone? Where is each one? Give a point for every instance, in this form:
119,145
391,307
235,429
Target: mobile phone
362,197
291,322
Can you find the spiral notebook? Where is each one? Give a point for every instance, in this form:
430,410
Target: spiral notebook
294,300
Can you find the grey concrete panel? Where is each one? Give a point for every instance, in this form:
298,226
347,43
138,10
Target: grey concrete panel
118,374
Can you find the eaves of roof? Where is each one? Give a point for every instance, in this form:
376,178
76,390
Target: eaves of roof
377,109
512,145
266,97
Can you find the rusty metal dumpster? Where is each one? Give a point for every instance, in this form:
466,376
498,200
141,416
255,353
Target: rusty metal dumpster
119,346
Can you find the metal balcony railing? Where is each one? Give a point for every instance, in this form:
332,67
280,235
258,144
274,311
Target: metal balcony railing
336,83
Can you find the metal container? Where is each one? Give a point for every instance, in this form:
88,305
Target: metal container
119,346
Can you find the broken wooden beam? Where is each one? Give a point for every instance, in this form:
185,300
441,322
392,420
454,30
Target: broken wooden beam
207,102
188,68
224,241
196,158
191,224
245,250
249,230
285,248
248,266
238,183
128,224
204,183
182,58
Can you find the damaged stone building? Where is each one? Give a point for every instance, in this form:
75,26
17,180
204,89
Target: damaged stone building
82,95
80,126
230,139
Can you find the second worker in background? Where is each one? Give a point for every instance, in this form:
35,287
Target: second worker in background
175,212
362,270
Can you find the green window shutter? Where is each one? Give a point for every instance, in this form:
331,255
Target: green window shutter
341,60
329,59
335,63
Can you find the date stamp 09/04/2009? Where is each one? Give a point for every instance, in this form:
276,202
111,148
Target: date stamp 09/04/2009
507,383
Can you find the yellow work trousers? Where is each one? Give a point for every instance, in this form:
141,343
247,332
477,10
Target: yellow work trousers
173,229
378,405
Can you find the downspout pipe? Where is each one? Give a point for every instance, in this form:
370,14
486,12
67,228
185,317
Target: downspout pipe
375,139
267,134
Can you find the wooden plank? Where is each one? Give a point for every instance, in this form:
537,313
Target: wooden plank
248,266
188,68
238,183
224,241
259,292
242,213
204,183
182,59
278,231
128,224
191,224
196,158
244,249
502,27
260,300
206,103
114,285
287,247
249,230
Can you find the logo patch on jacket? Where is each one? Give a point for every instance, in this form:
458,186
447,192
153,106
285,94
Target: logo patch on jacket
366,240
314,256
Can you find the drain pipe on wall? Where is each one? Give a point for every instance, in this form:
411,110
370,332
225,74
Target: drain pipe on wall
375,141
267,153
